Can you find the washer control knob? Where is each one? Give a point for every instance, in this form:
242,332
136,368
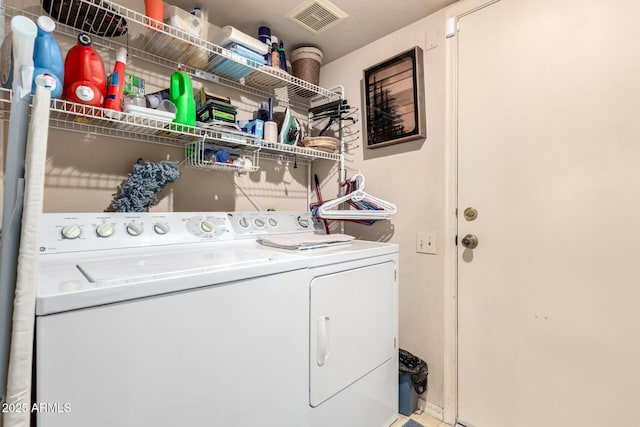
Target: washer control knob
259,222
71,231
161,227
134,229
303,222
104,230
243,222
273,222
207,226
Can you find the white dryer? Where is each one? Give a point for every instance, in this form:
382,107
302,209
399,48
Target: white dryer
353,330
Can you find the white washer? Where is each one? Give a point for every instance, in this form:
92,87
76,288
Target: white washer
190,327
183,319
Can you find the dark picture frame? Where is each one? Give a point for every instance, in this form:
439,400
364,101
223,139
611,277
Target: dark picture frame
393,94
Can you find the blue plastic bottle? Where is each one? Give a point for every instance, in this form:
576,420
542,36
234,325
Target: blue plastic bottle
47,58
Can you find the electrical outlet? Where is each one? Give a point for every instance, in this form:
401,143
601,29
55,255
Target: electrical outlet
426,243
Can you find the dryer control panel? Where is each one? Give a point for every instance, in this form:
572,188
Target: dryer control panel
250,224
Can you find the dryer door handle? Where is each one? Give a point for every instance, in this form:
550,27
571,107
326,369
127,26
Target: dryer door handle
323,339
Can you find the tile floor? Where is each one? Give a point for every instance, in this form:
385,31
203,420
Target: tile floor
423,419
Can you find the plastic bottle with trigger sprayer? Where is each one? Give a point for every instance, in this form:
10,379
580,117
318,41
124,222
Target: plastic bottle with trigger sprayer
116,82
181,94
47,57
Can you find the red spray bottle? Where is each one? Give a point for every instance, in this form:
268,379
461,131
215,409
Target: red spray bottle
85,80
116,82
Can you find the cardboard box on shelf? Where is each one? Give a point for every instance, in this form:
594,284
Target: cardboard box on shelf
133,85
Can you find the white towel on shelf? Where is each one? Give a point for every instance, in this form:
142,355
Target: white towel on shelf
229,34
299,241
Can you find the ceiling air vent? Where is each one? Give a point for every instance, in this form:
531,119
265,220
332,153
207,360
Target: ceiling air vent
316,16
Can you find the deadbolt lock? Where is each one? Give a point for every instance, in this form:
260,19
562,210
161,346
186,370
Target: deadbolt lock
470,214
470,241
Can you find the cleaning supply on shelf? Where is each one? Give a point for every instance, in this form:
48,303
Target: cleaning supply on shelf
282,56
222,156
85,79
116,82
181,94
264,35
133,85
253,127
263,112
47,57
275,54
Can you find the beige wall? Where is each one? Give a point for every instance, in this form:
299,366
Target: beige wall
84,171
411,175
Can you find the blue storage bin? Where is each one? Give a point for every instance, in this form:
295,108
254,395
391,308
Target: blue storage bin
407,396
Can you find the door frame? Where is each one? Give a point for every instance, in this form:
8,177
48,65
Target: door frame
450,249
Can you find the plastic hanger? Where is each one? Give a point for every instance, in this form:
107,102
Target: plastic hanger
367,207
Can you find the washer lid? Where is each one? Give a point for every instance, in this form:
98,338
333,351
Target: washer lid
66,283
169,265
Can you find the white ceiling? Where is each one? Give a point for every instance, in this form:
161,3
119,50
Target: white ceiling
368,20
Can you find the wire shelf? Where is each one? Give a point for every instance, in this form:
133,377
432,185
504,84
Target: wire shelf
203,155
293,150
67,115
167,46
5,103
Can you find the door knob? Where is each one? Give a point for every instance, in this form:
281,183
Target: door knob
470,214
470,241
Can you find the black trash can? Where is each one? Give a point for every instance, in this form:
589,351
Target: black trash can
412,381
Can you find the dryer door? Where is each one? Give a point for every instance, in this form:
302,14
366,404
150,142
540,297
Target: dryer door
353,326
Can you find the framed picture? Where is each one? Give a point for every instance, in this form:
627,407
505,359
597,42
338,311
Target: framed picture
394,100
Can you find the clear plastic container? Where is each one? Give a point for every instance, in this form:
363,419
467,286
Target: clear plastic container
194,23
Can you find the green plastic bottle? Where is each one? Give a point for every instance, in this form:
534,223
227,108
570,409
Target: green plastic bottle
181,94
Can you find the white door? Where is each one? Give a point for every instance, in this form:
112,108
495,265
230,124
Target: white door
549,156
